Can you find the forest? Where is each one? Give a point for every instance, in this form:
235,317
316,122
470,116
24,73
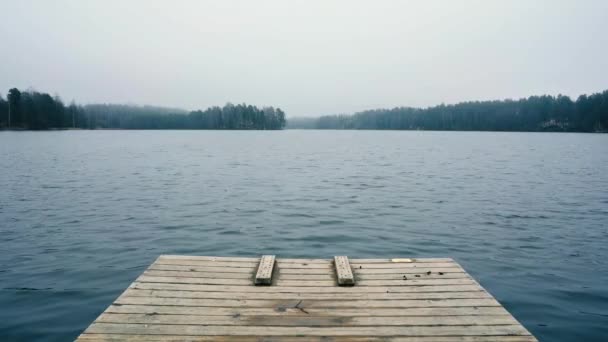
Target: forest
589,113
39,111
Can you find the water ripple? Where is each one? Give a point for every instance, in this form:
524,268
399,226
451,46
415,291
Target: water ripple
82,214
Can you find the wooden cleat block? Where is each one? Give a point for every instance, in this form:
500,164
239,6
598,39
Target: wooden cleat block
343,271
264,274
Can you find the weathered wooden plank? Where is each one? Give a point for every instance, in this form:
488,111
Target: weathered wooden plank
306,271
240,259
264,274
290,276
412,270
228,264
305,283
373,276
311,289
391,265
217,338
186,280
182,329
390,312
209,258
213,275
401,260
279,295
415,281
292,303
251,259
411,276
307,321
207,263
343,271
195,263
209,269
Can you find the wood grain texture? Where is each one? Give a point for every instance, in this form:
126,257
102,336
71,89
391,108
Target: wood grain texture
136,292
309,321
265,338
343,271
201,298
380,330
265,268
351,312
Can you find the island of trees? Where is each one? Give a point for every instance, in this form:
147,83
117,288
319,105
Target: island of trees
38,111
589,113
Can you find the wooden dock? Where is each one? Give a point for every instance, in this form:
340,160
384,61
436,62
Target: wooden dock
197,298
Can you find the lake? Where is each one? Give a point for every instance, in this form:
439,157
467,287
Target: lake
83,213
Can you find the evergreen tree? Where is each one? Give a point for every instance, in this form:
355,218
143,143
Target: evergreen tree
536,113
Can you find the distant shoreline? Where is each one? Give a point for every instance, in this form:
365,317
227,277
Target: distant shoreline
286,129
587,114
40,111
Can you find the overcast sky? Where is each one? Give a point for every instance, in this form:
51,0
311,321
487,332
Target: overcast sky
307,57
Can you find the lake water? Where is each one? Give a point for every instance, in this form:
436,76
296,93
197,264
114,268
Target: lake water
83,213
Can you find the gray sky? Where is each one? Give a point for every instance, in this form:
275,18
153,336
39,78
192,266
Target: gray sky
308,57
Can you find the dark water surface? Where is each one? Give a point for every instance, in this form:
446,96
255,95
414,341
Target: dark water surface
83,213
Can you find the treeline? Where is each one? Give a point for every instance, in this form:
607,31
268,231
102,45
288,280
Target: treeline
34,110
536,113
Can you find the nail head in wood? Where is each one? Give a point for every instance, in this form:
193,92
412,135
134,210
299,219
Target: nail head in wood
264,274
343,271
